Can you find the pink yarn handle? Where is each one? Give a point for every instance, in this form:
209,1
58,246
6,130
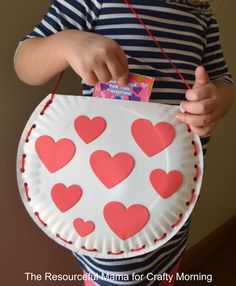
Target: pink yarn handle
157,44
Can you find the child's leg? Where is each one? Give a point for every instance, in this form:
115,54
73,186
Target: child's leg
173,272
88,282
159,258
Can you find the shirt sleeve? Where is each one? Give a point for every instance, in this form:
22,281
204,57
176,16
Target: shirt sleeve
67,14
213,59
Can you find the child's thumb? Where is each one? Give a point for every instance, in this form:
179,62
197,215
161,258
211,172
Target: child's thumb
201,77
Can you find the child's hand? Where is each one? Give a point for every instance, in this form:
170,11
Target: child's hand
95,58
204,105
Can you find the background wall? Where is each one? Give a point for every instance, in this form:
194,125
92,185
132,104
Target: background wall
218,199
24,246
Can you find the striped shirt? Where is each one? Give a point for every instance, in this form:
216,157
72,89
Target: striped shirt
189,35
155,262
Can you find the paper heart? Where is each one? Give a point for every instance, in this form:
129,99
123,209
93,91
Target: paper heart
54,155
111,170
83,228
152,139
165,184
65,198
125,222
89,129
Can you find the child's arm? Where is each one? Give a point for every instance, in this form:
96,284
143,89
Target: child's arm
207,103
93,57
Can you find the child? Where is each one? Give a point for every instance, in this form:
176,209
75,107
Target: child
103,40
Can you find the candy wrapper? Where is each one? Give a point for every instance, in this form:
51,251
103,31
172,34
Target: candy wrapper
138,88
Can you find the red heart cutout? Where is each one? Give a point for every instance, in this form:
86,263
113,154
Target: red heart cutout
125,222
89,129
152,139
165,184
111,170
54,155
83,228
65,198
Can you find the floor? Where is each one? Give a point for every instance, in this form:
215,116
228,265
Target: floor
220,260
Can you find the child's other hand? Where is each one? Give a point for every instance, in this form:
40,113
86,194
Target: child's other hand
203,106
95,58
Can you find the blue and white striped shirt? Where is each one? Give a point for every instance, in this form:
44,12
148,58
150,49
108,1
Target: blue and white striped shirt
189,35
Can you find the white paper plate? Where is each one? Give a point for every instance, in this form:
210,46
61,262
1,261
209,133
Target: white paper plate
66,197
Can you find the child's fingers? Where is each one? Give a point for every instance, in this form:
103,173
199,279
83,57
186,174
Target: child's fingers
89,77
123,81
102,73
118,71
199,107
115,68
204,131
121,56
197,120
201,77
198,94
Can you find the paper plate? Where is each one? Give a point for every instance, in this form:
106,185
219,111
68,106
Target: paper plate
108,178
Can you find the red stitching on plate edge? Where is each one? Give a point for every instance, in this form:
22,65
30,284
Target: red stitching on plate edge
194,148
88,249
191,198
52,95
29,132
177,221
23,157
138,249
197,173
160,238
40,220
63,239
22,168
26,190
115,253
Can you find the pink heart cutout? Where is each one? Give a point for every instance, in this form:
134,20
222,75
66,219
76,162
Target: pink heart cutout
152,139
89,129
111,170
125,222
83,228
165,184
54,155
65,198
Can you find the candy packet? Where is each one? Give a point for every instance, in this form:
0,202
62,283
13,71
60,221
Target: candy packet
138,88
